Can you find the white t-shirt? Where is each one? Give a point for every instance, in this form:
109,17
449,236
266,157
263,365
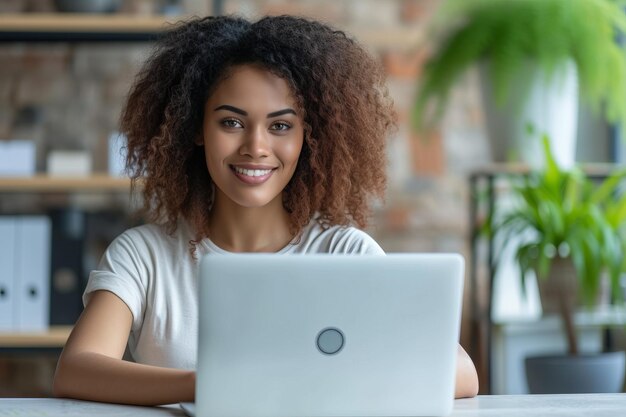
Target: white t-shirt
156,276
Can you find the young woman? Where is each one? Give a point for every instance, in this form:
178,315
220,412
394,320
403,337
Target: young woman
249,137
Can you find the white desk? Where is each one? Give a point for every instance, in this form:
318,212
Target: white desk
570,405
581,405
53,407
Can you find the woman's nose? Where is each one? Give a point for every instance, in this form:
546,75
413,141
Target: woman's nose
256,143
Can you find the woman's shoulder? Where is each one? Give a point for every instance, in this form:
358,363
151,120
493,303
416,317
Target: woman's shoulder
144,233
321,238
151,236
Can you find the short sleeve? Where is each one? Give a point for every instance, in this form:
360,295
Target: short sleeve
122,271
360,243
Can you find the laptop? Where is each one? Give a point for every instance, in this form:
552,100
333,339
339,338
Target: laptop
327,335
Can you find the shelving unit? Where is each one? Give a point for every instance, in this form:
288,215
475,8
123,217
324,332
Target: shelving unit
75,22
67,27
34,354
50,184
81,27
54,339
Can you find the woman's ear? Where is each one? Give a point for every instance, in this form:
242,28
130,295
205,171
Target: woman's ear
199,140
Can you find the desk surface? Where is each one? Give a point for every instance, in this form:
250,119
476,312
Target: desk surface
581,405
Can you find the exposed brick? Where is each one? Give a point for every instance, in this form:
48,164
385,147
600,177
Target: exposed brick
397,218
115,90
326,11
427,154
12,6
399,168
402,90
248,8
99,61
417,11
35,89
467,149
465,107
404,65
11,59
7,88
139,7
373,13
6,121
49,59
40,6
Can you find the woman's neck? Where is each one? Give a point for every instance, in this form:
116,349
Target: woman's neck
241,229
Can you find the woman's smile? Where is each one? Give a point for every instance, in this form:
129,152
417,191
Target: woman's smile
252,175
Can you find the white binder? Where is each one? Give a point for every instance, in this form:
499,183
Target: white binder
7,273
33,271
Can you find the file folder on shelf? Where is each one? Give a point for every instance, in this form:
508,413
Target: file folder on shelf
67,265
24,273
7,273
33,271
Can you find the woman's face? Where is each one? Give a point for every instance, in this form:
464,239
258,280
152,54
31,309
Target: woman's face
252,136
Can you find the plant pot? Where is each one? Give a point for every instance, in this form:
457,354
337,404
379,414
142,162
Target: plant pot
586,373
548,103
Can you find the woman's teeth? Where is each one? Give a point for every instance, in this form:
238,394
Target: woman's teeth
252,172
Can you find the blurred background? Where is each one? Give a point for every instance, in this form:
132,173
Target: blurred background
65,69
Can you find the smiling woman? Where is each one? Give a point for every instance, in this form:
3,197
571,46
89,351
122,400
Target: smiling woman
334,88
252,146
249,137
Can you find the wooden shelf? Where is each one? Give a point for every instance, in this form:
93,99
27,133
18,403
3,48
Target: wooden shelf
69,27
397,38
45,184
79,22
72,27
55,337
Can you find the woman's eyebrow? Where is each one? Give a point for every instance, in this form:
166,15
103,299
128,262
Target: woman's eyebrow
280,113
231,108
245,113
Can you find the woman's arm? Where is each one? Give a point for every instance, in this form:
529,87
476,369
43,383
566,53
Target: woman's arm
466,376
91,365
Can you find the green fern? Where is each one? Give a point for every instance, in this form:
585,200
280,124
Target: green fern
565,209
508,33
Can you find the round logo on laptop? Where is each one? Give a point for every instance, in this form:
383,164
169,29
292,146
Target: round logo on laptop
330,341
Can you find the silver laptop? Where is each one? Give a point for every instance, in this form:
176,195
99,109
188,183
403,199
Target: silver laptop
327,335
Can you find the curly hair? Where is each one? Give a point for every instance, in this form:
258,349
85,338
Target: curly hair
339,89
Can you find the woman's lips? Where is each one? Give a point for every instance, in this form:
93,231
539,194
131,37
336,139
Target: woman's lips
252,176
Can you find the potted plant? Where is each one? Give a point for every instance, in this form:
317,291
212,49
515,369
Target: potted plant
574,234
535,57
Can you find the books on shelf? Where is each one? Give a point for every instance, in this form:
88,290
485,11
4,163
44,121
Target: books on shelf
17,158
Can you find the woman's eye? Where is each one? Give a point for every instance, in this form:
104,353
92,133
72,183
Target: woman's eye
231,123
280,126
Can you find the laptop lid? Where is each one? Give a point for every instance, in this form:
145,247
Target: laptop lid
328,335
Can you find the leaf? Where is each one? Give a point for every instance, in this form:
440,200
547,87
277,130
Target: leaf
608,187
546,32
